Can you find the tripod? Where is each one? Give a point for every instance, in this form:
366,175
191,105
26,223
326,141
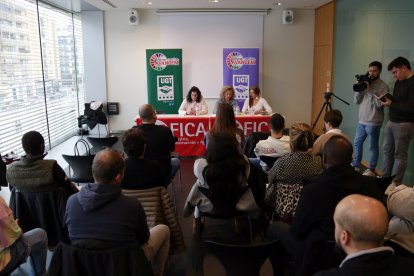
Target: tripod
327,105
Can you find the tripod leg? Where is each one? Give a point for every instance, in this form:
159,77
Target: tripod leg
325,104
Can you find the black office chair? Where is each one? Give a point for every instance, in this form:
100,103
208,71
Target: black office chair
90,257
238,259
99,143
81,165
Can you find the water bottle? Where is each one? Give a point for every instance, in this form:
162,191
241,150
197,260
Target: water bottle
197,110
236,110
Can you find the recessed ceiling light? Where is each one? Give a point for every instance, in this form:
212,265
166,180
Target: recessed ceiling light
213,1
147,2
277,4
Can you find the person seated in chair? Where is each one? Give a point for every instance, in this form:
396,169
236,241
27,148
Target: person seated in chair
312,222
140,173
101,212
289,171
160,142
276,144
361,223
222,178
33,173
400,203
16,246
332,120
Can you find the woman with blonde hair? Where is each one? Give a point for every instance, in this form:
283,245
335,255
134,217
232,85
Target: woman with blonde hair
227,95
288,172
255,104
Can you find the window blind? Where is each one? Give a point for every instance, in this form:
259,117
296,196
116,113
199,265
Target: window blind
41,73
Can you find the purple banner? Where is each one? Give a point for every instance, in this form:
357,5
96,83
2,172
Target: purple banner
241,70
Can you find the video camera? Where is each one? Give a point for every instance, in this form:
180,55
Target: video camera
361,85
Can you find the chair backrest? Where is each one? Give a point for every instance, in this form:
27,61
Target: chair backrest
41,210
99,143
81,167
159,209
269,160
239,259
82,259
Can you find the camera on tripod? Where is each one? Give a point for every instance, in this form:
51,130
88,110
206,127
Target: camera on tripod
361,85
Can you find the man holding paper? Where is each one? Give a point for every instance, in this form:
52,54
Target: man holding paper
399,129
371,116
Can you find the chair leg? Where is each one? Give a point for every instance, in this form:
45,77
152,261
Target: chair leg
173,194
179,179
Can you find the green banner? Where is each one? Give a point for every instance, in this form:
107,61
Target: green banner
165,79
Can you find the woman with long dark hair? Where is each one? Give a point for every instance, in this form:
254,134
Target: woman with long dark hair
194,103
222,178
255,104
226,122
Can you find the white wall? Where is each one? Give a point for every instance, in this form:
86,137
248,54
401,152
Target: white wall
286,72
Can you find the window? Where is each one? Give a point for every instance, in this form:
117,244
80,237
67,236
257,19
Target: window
41,74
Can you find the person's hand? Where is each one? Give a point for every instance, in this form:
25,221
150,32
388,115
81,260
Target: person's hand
191,112
387,102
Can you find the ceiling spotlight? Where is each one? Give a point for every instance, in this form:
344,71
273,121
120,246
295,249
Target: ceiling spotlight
213,1
277,4
147,2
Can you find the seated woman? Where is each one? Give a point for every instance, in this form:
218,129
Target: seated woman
227,95
255,104
288,172
226,122
222,176
140,173
193,102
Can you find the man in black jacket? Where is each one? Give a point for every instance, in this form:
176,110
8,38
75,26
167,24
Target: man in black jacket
313,220
361,223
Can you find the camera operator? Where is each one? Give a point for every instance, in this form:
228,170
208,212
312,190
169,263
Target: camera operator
399,130
371,116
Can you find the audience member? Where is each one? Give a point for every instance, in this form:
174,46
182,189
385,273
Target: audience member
288,172
160,142
332,121
255,104
140,173
100,212
276,144
221,175
33,173
371,116
399,130
3,170
361,223
400,203
225,121
194,103
227,95
313,221
16,246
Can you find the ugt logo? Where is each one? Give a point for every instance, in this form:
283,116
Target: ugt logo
241,86
235,60
165,88
159,61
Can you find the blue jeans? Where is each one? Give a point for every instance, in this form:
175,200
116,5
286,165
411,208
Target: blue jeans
362,132
397,137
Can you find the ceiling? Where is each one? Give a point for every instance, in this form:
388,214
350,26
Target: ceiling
84,5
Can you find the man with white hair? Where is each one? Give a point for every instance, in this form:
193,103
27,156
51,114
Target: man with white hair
361,223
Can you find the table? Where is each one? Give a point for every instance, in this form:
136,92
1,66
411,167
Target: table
191,130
